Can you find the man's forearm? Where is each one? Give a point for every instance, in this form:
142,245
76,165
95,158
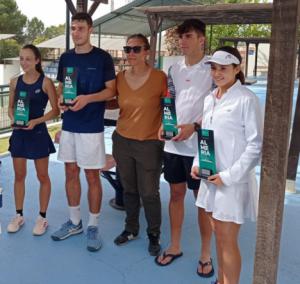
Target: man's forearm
104,95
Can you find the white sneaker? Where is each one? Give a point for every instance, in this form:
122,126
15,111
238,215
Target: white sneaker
15,224
40,227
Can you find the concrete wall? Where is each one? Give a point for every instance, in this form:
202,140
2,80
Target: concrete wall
7,71
167,61
262,58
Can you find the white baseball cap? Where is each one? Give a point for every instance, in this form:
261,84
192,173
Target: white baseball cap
223,58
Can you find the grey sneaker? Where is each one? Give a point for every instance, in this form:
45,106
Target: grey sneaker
67,229
93,238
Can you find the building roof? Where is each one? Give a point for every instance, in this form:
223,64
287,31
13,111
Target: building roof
6,36
106,43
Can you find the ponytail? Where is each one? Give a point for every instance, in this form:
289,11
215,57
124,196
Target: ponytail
38,67
240,76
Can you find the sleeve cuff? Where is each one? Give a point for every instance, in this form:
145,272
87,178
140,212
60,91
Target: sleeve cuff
226,179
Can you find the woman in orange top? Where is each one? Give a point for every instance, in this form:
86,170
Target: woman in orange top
136,149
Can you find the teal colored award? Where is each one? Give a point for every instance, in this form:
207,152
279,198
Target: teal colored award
169,118
21,109
207,160
69,86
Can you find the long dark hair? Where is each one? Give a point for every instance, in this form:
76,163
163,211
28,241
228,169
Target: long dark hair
37,54
232,50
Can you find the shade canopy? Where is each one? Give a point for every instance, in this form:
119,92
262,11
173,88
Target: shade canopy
128,20
217,14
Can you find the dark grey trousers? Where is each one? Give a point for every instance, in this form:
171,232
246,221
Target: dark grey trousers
139,164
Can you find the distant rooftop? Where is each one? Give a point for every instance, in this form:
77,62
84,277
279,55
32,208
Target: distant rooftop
106,42
6,36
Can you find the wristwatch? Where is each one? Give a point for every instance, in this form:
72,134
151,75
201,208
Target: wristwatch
197,126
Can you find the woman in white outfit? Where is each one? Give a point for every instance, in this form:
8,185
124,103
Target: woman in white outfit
233,113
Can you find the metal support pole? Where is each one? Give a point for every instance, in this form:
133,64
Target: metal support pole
256,57
67,28
99,36
247,59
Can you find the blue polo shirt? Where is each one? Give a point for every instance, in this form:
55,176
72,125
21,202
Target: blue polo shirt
94,69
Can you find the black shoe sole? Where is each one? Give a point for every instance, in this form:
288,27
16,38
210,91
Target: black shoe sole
126,242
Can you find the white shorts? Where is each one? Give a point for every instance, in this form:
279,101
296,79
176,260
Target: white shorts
86,149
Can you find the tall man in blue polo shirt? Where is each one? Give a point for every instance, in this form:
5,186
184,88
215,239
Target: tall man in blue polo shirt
82,138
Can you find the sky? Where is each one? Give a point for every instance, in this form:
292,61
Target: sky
53,12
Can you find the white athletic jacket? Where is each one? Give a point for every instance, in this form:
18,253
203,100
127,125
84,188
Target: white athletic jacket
237,124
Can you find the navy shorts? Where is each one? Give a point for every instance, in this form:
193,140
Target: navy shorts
177,169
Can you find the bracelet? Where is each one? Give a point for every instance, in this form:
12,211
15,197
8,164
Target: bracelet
197,126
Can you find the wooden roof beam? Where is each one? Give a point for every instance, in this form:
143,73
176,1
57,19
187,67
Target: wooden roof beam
215,14
95,5
154,23
71,7
81,6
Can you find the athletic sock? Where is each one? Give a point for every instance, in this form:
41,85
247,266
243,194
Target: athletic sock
43,214
20,212
75,214
93,219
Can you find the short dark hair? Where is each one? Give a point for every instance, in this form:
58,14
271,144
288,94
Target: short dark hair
142,38
81,16
191,25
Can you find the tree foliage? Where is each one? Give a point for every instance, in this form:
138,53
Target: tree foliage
12,21
54,31
9,48
34,29
214,33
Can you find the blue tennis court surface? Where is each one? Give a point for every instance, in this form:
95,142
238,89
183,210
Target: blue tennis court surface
25,259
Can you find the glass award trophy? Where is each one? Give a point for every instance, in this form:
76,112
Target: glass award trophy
206,147
21,109
69,86
169,118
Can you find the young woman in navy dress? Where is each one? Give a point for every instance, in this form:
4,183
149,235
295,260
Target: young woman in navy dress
32,142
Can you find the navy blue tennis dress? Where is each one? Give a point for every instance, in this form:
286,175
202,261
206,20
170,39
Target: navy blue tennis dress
36,143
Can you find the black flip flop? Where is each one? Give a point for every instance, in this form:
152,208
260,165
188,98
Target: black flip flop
203,265
170,255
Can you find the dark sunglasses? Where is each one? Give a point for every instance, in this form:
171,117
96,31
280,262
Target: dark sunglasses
135,49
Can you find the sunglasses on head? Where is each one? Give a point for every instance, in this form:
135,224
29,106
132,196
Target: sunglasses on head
135,49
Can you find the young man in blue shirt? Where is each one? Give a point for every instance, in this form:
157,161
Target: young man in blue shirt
82,138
